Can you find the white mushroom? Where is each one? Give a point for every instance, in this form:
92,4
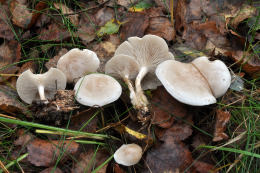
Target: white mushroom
97,90
148,51
197,83
126,68
40,86
77,63
128,154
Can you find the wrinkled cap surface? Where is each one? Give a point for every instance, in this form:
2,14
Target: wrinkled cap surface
77,63
122,66
217,74
185,83
27,84
128,154
97,90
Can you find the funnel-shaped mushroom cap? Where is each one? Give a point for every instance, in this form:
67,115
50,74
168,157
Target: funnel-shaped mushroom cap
148,51
97,90
77,63
217,74
128,154
185,83
123,66
28,83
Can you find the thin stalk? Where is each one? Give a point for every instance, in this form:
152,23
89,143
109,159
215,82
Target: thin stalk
41,93
15,161
133,97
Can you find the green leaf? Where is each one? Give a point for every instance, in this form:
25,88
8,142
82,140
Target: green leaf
109,28
140,6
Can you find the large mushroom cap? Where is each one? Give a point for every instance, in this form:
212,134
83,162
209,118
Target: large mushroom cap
122,66
197,83
128,154
27,84
97,90
185,83
216,73
77,63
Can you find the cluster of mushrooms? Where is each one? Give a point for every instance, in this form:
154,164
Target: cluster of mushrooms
146,60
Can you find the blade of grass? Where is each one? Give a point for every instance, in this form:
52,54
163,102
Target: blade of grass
15,161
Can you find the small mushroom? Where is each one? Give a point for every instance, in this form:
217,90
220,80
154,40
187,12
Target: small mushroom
77,63
148,51
126,68
97,90
128,154
197,83
44,86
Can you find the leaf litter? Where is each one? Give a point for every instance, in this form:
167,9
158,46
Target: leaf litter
200,28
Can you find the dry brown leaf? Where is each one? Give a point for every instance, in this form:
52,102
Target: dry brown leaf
9,100
222,118
117,169
74,19
87,30
178,132
136,24
89,161
10,52
51,170
162,27
171,156
5,24
21,15
24,138
126,3
164,108
202,167
53,61
250,62
45,153
54,32
104,15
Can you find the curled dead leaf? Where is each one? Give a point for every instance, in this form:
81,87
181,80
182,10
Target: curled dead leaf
53,32
222,118
74,18
21,15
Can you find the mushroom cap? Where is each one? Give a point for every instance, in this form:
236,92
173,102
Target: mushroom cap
128,154
217,74
27,84
77,63
185,83
97,90
121,66
148,51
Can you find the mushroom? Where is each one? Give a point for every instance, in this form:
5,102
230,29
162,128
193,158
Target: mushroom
148,52
77,63
125,67
128,154
197,83
97,90
44,86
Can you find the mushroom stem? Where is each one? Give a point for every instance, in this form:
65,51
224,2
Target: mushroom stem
142,100
41,93
132,91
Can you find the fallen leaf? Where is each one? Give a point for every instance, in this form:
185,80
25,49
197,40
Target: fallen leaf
125,3
53,32
21,15
222,118
202,167
104,15
250,62
6,31
10,53
52,170
52,63
117,169
162,27
165,108
90,160
43,19
135,25
28,65
141,6
74,19
178,132
45,153
171,156
111,27
9,101
24,138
